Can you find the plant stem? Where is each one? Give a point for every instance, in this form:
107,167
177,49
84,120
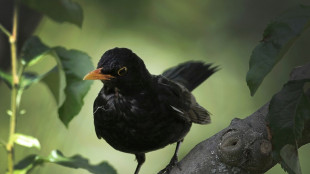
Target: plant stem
15,83
13,39
5,31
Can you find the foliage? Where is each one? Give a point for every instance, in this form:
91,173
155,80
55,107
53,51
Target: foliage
72,65
58,10
26,165
26,141
278,37
65,81
289,109
7,78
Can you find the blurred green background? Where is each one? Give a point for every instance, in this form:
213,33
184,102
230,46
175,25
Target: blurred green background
163,34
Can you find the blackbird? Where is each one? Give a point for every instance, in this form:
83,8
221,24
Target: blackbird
137,112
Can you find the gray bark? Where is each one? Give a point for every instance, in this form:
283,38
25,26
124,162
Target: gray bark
243,147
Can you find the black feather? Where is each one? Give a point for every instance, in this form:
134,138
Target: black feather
190,74
139,112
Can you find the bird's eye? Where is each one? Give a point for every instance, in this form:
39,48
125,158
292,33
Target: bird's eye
122,71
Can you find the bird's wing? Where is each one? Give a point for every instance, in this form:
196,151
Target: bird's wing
181,101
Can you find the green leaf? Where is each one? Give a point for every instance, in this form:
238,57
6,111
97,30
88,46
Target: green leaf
278,37
58,10
56,157
288,111
65,80
33,51
56,82
78,161
290,163
7,78
27,164
25,140
75,65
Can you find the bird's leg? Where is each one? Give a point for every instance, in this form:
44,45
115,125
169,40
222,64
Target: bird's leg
174,158
173,161
140,158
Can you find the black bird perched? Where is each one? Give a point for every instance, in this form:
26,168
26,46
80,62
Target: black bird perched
136,112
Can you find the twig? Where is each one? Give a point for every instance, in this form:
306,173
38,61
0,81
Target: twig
15,83
5,31
13,39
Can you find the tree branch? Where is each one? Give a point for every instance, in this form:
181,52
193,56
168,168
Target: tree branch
243,147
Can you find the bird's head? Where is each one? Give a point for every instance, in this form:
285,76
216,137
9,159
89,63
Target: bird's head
121,68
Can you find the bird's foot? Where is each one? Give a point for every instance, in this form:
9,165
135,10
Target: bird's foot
169,167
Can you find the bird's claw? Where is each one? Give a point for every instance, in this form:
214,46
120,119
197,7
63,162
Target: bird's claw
169,167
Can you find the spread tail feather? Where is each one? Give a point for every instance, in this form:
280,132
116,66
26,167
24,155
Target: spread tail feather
190,74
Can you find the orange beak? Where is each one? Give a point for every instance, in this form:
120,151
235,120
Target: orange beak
96,75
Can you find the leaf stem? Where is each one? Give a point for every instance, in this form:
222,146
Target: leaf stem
15,84
5,31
